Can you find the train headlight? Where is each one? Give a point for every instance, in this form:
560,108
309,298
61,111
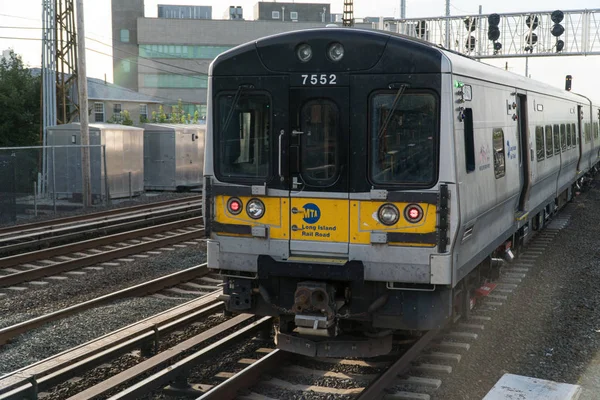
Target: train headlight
255,209
388,214
413,213
304,52
335,52
234,205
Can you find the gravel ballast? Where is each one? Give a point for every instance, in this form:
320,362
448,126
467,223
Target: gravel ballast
68,332
549,328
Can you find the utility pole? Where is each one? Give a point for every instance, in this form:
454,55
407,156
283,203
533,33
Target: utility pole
402,9
447,41
83,108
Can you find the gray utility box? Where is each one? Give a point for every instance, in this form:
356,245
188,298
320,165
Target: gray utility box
124,155
173,156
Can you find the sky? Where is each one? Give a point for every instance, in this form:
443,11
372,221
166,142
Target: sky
21,18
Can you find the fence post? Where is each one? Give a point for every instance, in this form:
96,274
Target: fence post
106,186
129,185
54,179
35,199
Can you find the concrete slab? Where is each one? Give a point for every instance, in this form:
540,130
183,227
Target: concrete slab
526,388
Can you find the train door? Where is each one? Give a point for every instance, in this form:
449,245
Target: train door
318,171
524,152
579,137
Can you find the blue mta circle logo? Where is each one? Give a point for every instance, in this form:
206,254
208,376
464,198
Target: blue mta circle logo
312,214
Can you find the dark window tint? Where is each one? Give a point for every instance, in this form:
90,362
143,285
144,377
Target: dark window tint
549,147
243,135
569,135
595,130
557,139
574,134
403,136
563,137
499,159
539,143
469,140
320,122
586,132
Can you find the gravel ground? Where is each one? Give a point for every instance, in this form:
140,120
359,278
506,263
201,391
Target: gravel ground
20,306
145,198
63,334
550,326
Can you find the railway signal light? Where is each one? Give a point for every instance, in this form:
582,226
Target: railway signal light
494,31
557,29
531,38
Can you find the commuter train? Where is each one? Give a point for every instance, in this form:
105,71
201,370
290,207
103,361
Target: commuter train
359,183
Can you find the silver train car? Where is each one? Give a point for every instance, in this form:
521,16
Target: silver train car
358,183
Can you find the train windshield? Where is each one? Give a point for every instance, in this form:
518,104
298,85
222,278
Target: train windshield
403,138
243,123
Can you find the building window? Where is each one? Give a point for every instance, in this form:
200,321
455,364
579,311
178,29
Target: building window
275,14
98,112
175,81
125,35
117,107
294,15
143,111
161,51
126,65
499,159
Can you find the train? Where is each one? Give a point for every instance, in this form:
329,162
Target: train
361,183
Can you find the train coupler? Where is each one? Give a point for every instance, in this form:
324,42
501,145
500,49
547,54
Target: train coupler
335,347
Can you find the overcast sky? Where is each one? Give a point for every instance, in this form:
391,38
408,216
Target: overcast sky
15,15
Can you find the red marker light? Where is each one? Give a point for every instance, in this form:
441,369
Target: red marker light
234,205
413,213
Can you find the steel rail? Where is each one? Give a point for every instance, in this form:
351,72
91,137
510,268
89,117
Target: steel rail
172,371
23,258
96,215
96,225
53,269
138,290
378,386
248,377
47,373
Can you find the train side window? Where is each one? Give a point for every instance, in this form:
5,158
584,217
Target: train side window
556,139
586,132
499,158
563,136
574,134
595,130
539,143
549,151
469,140
569,136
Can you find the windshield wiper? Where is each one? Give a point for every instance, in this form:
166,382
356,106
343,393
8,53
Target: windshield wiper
236,99
391,113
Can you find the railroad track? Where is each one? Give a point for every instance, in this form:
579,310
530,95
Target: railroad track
32,266
18,238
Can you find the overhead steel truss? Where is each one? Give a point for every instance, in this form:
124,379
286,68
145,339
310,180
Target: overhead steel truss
530,34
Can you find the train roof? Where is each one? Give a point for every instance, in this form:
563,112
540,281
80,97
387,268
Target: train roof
456,63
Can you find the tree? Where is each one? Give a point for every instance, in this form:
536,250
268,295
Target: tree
20,94
196,116
162,117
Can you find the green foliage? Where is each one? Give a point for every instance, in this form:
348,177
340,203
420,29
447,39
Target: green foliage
144,120
162,117
154,117
20,94
196,117
126,118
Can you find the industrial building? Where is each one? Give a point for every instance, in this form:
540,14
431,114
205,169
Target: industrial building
169,58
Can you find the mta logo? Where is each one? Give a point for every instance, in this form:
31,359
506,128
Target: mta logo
312,214
512,150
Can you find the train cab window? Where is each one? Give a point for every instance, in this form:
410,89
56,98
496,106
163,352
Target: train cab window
556,139
595,130
320,122
469,140
568,136
563,136
574,134
499,157
403,138
549,147
242,135
539,143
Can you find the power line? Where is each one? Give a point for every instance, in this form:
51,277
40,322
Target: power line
17,16
19,27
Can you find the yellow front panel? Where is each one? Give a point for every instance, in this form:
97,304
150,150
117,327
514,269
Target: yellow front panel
324,220
363,221
276,216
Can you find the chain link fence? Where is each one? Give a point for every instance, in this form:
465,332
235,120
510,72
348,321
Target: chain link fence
48,180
